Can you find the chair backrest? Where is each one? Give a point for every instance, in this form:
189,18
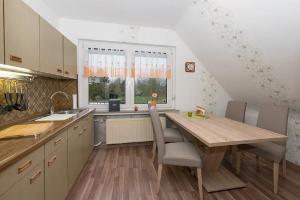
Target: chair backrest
158,132
236,110
273,118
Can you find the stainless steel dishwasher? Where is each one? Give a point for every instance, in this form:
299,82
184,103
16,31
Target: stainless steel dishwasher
100,130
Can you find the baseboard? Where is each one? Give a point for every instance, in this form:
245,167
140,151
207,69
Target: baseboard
105,146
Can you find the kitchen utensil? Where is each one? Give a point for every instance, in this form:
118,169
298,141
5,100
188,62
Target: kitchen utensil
23,101
8,97
17,105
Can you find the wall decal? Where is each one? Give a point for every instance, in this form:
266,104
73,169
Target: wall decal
249,57
209,91
130,33
261,73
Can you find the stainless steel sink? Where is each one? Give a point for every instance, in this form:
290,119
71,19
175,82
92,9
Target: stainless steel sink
59,116
70,111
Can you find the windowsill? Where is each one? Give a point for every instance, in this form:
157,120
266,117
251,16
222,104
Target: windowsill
131,112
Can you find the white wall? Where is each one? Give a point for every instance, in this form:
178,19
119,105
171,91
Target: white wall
43,10
269,31
189,86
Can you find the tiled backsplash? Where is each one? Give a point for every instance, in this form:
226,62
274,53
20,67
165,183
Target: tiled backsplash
38,94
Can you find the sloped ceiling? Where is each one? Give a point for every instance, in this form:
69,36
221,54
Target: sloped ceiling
157,13
252,47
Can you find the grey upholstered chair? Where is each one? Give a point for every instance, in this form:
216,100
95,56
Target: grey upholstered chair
179,154
170,135
236,110
273,118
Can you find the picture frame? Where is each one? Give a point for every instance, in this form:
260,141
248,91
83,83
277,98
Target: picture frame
190,66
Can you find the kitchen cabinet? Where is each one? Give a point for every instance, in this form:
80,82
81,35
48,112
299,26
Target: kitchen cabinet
75,152
88,136
21,27
70,59
51,49
50,171
31,186
1,34
17,171
56,170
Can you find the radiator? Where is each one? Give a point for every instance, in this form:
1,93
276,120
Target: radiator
128,130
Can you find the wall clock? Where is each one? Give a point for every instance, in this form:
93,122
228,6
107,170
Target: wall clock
190,66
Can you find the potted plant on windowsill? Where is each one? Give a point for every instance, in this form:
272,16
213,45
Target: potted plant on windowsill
154,96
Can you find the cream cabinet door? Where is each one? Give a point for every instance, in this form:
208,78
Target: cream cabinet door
31,186
1,34
56,174
88,137
75,156
21,26
51,49
70,59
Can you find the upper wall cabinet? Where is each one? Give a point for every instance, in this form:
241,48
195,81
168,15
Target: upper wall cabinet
21,35
1,34
51,49
70,59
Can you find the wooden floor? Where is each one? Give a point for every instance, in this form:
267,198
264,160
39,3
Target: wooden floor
126,173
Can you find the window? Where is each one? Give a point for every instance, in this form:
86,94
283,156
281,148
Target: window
150,77
144,87
129,72
101,89
106,74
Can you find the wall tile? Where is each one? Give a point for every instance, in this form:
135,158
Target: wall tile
38,94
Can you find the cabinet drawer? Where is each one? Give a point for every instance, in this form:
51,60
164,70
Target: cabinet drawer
56,142
30,186
15,172
75,129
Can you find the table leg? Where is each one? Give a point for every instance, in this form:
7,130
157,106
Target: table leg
215,176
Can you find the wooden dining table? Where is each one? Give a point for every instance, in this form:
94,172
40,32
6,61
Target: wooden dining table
218,134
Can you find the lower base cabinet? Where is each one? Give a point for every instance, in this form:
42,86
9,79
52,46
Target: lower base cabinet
56,174
75,153
50,171
31,186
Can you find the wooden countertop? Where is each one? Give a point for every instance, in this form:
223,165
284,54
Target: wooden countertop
12,150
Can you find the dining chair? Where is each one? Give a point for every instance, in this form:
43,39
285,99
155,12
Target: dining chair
170,135
178,154
236,111
273,118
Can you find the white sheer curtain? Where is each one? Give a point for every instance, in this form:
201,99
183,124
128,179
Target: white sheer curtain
105,63
151,65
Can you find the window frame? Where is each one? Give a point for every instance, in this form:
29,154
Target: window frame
129,48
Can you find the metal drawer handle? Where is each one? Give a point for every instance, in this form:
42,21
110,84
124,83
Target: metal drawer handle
24,166
79,134
59,70
66,72
15,59
75,127
34,177
84,129
51,161
58,141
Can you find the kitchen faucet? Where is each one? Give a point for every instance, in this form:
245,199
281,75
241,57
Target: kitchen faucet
51,100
